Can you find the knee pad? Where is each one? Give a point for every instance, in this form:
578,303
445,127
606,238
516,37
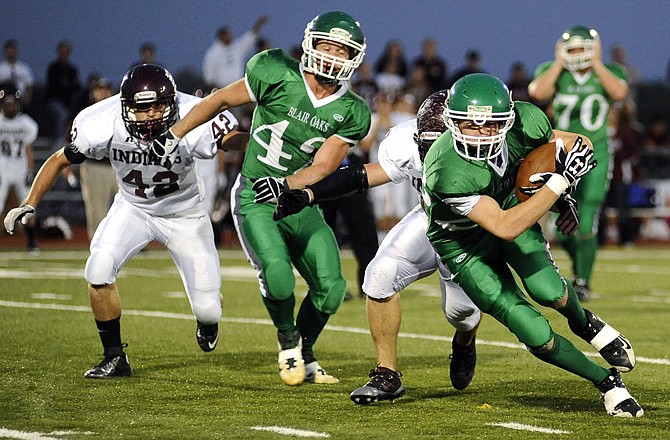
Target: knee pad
100,269
464,320
332,296
380,278
206,306
279,279
542,349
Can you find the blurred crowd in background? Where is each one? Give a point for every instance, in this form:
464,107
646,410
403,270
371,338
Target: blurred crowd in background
393,86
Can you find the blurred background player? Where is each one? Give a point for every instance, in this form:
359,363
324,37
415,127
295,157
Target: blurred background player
18,131
582,90
159,199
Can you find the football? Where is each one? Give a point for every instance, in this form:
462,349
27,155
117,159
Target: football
541,159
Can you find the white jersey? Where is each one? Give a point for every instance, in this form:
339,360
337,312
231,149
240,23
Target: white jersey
15,135
399,155
159,187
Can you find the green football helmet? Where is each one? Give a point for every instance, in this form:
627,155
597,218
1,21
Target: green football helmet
578,37
337,27
480,98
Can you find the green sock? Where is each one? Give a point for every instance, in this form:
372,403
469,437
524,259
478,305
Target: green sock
281,312
310,323
566,356
573,311
585,257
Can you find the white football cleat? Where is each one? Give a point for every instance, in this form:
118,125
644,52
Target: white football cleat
316,374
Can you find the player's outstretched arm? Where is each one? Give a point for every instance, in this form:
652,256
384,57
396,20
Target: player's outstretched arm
340,183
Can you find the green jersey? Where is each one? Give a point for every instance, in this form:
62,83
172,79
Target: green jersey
290,123
452,184
581,104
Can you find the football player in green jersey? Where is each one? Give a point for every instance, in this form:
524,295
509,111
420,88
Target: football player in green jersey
305,121
582,89
480,231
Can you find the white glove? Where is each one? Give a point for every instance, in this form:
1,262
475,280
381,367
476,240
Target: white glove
23,213
165,144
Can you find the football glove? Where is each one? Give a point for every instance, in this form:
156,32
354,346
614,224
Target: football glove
164,144
573,164
23,213
268,189
568,215
291,201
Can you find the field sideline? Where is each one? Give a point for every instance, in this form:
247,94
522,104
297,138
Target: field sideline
179,392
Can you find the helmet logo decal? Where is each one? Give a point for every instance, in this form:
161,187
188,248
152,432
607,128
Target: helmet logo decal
144,96
479,113
341,33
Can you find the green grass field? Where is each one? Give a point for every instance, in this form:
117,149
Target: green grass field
48,339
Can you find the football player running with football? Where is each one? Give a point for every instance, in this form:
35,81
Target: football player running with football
582,90
480,230
404,256
158,199
305,120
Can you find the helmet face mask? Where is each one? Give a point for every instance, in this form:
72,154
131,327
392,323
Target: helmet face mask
577,47
143,88
10,100
483,100
429,122
335,27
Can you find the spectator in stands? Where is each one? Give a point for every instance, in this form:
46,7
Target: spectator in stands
147,55
626,145
393,53
434,65
390,81
518,82
225,59
62,85
656,135
473,64
418,86
17,72
364,84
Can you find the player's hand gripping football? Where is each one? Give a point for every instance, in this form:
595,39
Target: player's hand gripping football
291,201
268,189
574,164
23,213
164,144
568,215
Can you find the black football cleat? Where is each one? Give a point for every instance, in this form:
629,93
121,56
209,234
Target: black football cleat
618,401
612,345
462,364
384,384
110,367
207,336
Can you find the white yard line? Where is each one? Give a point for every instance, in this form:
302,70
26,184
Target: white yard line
522,427
356,330
291,432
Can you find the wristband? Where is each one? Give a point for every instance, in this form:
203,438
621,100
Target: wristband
558,184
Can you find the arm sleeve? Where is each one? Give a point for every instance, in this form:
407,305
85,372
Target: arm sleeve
341,182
